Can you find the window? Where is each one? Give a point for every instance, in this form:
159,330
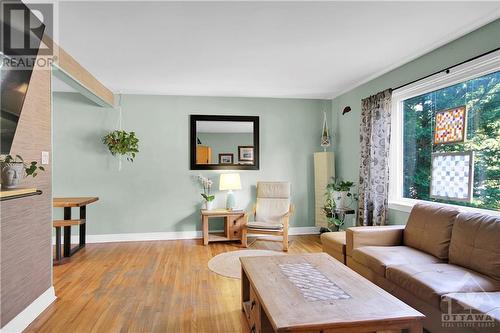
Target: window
446,138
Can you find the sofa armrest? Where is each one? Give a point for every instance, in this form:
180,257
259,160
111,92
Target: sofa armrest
389,235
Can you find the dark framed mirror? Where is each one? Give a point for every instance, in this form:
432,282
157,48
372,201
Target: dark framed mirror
224,142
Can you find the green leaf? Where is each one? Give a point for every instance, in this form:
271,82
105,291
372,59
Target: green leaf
122,143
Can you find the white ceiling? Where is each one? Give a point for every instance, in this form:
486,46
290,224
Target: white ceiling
266,49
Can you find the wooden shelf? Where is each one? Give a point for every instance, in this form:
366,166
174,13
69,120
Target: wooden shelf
18,193
217,237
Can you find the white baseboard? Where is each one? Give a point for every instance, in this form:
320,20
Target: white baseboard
26,317
174,235
304,231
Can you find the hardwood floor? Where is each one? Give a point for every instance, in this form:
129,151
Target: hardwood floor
159,286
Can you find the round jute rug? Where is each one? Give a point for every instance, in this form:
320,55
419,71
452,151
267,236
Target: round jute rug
228,263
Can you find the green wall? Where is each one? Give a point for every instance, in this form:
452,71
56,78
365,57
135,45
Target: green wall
157,193
347,127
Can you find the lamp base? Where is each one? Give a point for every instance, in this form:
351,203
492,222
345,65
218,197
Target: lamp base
230,201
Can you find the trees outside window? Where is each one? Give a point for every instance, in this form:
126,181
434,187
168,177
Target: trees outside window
481,96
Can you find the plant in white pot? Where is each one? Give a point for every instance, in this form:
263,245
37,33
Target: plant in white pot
341,192
334,223
14,169
206,185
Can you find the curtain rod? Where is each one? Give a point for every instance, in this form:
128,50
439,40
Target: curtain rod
447,70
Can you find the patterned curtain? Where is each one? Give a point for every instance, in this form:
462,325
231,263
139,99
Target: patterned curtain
375,135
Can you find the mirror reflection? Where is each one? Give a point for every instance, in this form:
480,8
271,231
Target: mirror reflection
225,143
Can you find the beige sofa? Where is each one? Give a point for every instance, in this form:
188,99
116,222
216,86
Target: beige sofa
442,262
333,243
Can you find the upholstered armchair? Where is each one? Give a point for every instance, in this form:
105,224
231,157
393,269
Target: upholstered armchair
271,212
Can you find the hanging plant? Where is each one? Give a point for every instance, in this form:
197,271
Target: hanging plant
122,143
325,134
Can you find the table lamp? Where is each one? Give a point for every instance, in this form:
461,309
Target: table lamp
229,182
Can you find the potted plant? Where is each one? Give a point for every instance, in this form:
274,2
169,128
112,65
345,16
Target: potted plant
334,223
341,192
122,143
14,169
206,185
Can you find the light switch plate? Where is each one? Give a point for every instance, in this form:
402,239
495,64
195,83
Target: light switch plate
45,157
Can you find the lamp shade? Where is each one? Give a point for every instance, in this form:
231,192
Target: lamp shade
229,181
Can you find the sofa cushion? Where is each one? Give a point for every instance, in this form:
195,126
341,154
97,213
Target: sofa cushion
334,243
430,281
479,302
475,243
334,240
429,229
378,258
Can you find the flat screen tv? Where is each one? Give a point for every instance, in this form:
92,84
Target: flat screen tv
14,82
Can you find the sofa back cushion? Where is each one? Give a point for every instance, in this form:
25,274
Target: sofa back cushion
429,229
475,243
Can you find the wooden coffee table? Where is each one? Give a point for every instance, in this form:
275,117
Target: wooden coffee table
316,293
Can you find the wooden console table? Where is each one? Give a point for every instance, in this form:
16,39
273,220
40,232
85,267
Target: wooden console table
67,204
233,222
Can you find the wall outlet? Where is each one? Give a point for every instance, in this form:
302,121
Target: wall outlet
45,157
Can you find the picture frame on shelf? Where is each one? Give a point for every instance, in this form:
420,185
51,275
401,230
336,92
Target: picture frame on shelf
245,154
226,158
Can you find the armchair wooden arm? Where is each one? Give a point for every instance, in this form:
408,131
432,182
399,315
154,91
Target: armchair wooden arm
286,217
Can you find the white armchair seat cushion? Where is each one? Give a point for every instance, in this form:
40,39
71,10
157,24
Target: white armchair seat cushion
265,225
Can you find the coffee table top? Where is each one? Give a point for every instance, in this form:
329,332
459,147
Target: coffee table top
317,291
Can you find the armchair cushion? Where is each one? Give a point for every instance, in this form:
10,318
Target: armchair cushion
273,201
379,236
271,210
429,229
264,225
280,190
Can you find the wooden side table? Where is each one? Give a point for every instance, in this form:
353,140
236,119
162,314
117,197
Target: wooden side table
67,204
234,220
